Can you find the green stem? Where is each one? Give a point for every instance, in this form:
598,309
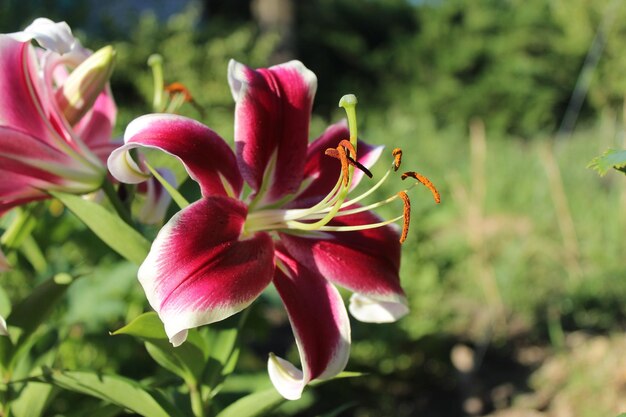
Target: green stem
197,405
176,196
117,204
156,63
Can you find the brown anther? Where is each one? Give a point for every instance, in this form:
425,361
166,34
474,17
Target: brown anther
343,157
345,144
397,158
407,215
426,182
179,88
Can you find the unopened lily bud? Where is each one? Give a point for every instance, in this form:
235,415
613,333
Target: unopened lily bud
82,87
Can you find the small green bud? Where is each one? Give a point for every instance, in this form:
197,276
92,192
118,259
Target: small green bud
83,86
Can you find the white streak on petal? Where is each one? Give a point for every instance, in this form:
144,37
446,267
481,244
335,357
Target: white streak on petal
373,311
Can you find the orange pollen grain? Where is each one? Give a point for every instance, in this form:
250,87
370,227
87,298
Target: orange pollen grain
407,215
397,155
426,182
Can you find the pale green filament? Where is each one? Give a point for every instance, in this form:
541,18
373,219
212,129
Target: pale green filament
348,102
156,63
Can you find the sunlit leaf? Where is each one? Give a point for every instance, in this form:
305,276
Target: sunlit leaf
186,361
32,400
113,231
224,353
115,389
146,326
261,403
609,159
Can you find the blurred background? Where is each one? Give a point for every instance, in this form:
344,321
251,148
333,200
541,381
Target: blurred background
516,280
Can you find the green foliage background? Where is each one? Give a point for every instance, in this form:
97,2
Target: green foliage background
526,247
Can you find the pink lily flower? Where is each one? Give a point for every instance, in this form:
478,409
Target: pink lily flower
56,114
296,228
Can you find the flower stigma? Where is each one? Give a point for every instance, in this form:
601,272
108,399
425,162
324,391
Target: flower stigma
336,203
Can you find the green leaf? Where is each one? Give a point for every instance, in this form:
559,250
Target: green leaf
186,361
611,158
261,403
33,254
33,400
146,326
5,303
113,231
223,353
115,389
29,313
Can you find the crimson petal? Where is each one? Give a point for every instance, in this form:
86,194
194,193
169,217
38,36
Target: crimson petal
366,262
206,156
323,171
272,124
200,270
320,324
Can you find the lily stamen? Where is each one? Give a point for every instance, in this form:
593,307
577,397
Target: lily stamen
334,153
397,158
425,182
406,214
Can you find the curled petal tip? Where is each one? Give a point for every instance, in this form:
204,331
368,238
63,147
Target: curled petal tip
287,379
368,310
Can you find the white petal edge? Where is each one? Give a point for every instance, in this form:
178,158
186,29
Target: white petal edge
56,37
177,323
4,331
124,168
368,310
290,381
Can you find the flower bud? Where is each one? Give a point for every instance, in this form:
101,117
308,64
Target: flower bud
83,86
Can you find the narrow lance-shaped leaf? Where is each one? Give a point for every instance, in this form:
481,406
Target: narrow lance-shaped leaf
261,403
186,361
113,231
115,389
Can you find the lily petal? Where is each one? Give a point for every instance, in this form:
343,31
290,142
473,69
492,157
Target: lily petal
322,171
205,155
96,127
272,124
320,324
198,270
372,311
366,262
56,37
157,198
19,107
